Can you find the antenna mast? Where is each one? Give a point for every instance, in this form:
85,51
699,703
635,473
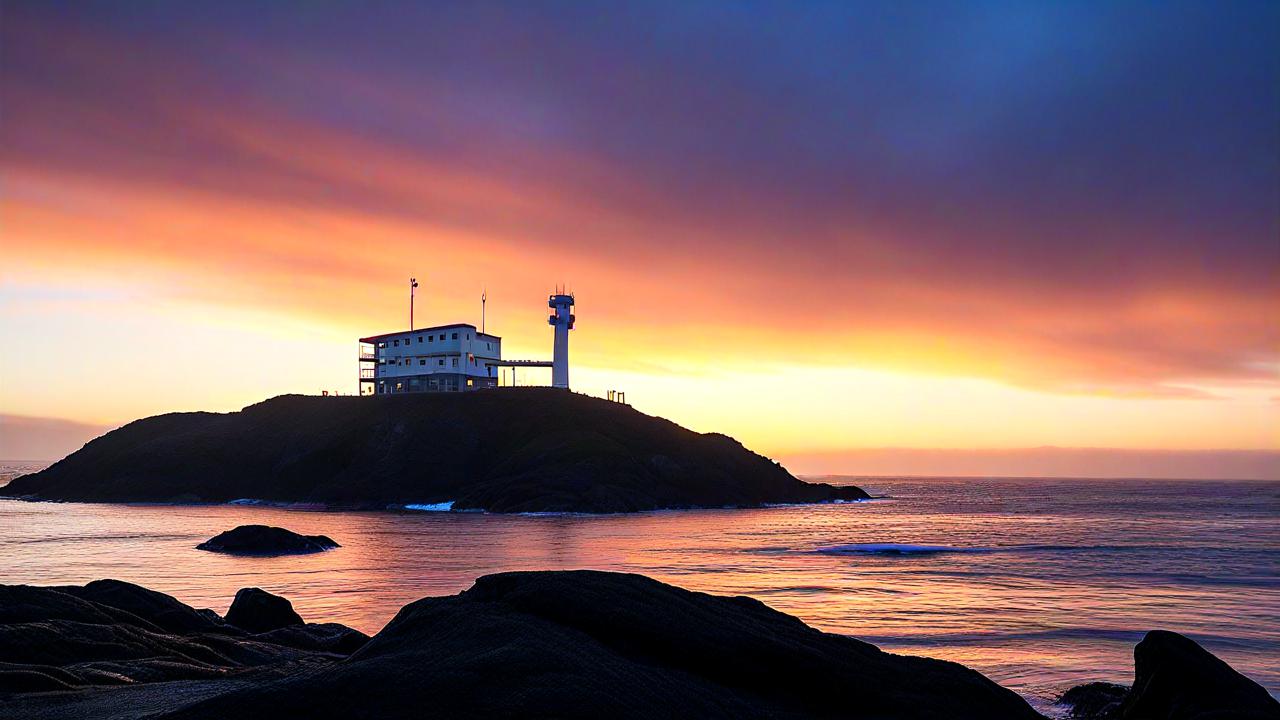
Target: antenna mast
413,283
482,299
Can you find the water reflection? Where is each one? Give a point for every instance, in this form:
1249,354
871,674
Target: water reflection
1057,582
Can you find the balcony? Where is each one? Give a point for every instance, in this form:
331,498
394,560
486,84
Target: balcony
368,357
368,373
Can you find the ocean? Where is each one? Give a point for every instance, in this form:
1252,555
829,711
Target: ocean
1038,583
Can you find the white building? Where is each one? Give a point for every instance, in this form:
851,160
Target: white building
562,320
446,358
455,358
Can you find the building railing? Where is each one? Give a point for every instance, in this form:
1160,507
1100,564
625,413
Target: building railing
368,373
368,356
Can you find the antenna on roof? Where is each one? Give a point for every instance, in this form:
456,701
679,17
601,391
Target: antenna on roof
483,297
413,283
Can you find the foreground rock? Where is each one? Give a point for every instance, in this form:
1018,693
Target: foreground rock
1176,679
111,633
513,450
543,644
591,644
259,611
266,540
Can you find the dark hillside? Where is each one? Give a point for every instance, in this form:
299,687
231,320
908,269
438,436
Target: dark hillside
514,450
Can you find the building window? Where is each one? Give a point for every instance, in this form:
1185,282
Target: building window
382,344
419,338
442,336
455,362
431,338
422,361
396,342
441,362
488,346
455,336
470,382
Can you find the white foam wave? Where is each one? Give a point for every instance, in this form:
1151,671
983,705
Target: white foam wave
432,507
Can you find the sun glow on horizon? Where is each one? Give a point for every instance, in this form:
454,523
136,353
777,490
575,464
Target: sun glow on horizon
201,230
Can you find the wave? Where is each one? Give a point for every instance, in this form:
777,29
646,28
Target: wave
1124,636
892,549
445,506
914,549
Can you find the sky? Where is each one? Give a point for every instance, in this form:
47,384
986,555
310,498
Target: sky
819,227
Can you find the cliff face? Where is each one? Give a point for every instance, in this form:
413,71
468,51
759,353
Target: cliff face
515,450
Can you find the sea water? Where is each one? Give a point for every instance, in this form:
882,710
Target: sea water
1038,583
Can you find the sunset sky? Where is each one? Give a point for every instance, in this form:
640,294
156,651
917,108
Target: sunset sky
817,227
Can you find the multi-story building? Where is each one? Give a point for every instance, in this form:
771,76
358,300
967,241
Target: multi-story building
446,358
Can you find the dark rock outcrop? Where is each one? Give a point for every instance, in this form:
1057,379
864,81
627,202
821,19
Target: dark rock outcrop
112,633
1175,679
259,611
266,540
1095,700
590,644
513,450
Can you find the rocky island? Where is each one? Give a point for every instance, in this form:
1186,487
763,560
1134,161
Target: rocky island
509,450
266,540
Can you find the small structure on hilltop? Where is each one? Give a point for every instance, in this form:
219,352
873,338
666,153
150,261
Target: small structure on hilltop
455,357
562,319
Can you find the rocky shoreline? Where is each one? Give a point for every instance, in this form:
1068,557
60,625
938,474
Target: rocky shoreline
528,644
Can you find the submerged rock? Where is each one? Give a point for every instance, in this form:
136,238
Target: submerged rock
1174,679
509,450
1095,700
586,644
259,611
266,540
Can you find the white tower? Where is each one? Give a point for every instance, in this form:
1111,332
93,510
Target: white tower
562,320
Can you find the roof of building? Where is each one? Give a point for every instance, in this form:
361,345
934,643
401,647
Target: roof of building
402,333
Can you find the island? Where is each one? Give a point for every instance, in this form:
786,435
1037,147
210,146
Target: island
506,450
266,540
